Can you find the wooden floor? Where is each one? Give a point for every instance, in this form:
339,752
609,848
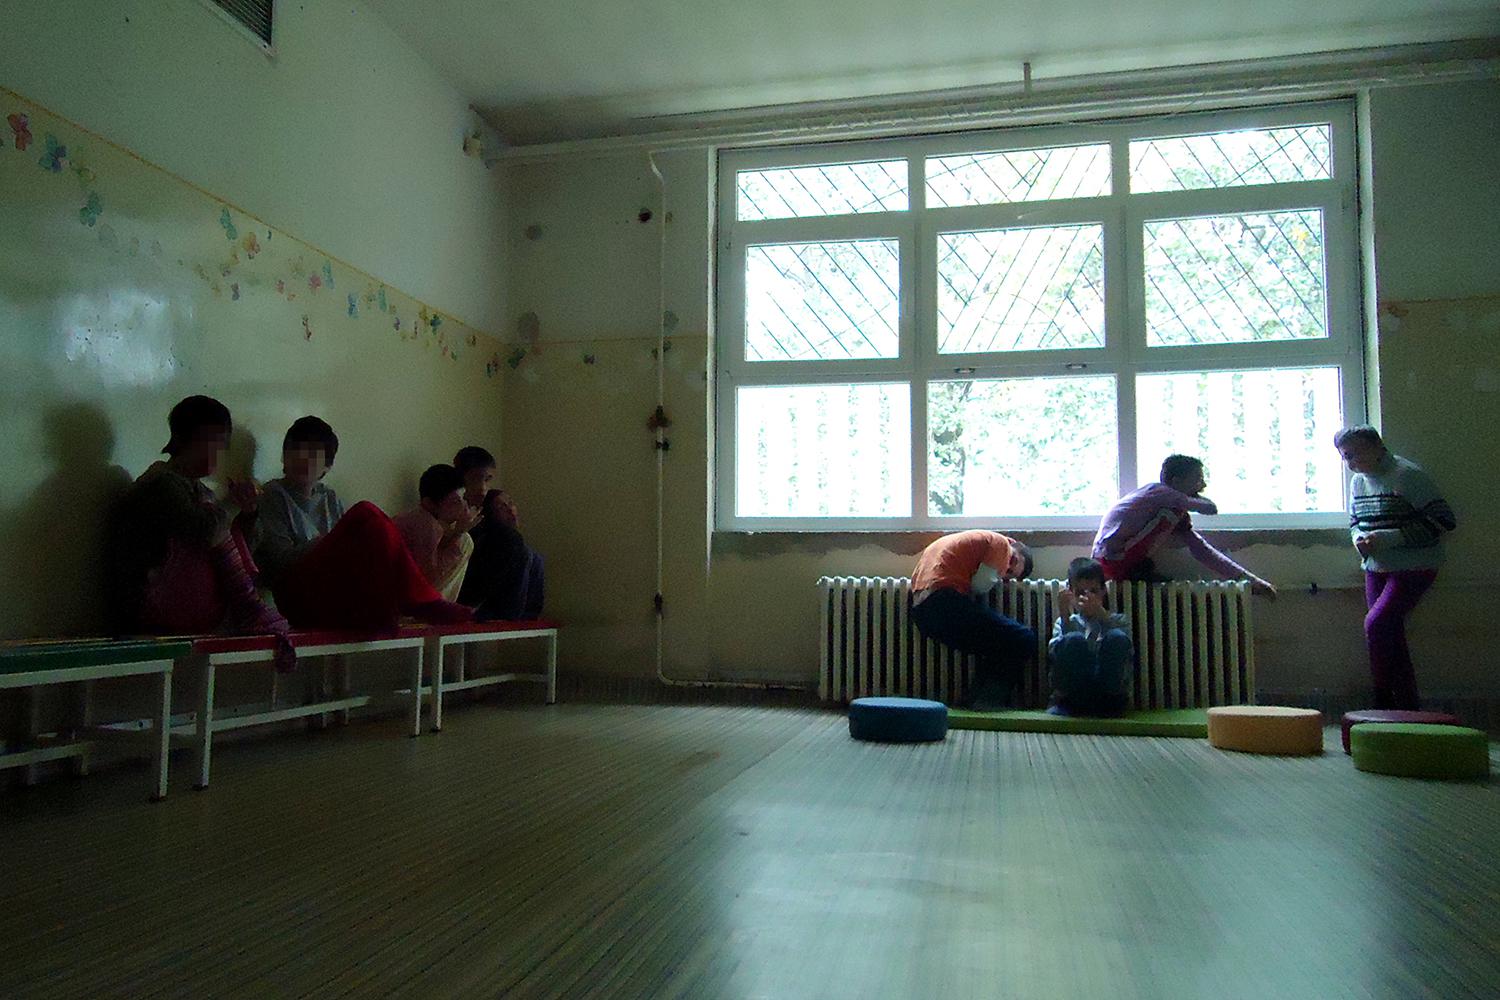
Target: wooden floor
742,852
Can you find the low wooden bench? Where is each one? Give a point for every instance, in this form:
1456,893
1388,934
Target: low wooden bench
209,655
40,664
459,637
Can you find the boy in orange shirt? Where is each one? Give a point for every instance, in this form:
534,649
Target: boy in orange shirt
949,573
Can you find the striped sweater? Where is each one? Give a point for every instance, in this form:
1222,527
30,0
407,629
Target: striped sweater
1399,507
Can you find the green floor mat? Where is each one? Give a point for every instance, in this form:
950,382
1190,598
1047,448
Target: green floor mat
1154,722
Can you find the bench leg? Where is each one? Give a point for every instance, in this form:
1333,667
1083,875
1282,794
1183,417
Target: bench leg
163,742
85,721
33,773
205,724
344,686
416,690
437,686
552,669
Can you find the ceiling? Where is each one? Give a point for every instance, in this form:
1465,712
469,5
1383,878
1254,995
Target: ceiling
583,68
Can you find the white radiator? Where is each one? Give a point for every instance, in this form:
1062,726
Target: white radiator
1193,642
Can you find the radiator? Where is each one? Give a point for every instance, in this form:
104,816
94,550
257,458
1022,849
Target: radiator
1193,642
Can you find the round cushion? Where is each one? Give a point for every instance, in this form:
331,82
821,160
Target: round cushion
898,720
1266,729
1395,715
1420,750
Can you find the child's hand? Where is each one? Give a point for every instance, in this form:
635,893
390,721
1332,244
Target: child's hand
1066,602
472,516
1091,604
1364,544
245,494
1263,588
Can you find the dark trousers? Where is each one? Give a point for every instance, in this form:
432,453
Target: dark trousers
1000,645
1391,598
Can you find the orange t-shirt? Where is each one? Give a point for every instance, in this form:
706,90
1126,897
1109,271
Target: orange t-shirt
952,560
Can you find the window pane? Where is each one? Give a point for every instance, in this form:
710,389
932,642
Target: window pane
1022,446
1018,175
1265,436
1235,278
1229,159
1021,289
833,189
822,301
823,450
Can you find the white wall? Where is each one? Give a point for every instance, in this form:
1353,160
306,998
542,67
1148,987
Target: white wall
347,138
579,457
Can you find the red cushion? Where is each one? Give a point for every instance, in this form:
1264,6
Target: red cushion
1395,715
300,640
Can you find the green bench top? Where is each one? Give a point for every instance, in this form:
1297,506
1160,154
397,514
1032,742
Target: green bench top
68,654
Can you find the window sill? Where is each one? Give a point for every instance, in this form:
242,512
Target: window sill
768,543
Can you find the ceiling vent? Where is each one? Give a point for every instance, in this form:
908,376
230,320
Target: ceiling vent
254,16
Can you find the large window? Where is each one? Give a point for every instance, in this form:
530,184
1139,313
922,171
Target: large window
1013,328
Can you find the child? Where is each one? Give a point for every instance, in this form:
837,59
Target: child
1141,524
436,532
505,578
1397,519
948,572
1090,649
331,569
181,566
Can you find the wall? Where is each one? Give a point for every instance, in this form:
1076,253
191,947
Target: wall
741,607
347,138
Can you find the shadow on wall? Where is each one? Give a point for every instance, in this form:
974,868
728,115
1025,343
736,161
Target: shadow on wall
55,539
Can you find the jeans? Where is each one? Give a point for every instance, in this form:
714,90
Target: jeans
1000,645
1090,681
1391,597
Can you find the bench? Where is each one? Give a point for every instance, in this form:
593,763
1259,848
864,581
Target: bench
440,638
32,665
209,654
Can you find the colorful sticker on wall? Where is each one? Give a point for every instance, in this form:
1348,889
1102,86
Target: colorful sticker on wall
306,328
328,274
251,245
234,292
84,174
55,157
380,297
20,127
492,365
314,282
280,286
89,213
516,357
227,222
353,306
397,324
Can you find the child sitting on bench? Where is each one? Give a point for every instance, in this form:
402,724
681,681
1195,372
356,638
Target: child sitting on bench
331,569
179,564
1090,651
505,575
436,531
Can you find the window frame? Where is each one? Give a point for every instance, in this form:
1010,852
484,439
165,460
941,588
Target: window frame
1125,353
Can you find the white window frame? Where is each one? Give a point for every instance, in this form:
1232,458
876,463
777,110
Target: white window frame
1125,354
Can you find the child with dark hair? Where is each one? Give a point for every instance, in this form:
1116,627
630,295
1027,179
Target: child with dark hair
436,531
505,577
1397,519
180,564
1158,516
1090,651
949,573
331,569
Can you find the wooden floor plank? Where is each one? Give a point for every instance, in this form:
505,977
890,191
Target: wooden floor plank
700,852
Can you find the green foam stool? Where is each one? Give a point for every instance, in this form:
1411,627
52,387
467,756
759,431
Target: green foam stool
1420,750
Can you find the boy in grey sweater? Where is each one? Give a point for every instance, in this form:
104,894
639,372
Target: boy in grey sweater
1397,519
1090,651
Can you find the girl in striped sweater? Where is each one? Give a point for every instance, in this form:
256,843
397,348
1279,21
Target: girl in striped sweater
1397,522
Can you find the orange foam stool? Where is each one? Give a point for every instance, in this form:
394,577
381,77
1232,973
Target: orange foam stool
1270,729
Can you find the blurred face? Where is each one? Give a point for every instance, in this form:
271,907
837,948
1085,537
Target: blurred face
303,464
204,453
477,483
502,509
1192,483
1361,455
1090,594
1015,567
450,508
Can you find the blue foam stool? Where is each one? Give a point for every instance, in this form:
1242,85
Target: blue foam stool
898,720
